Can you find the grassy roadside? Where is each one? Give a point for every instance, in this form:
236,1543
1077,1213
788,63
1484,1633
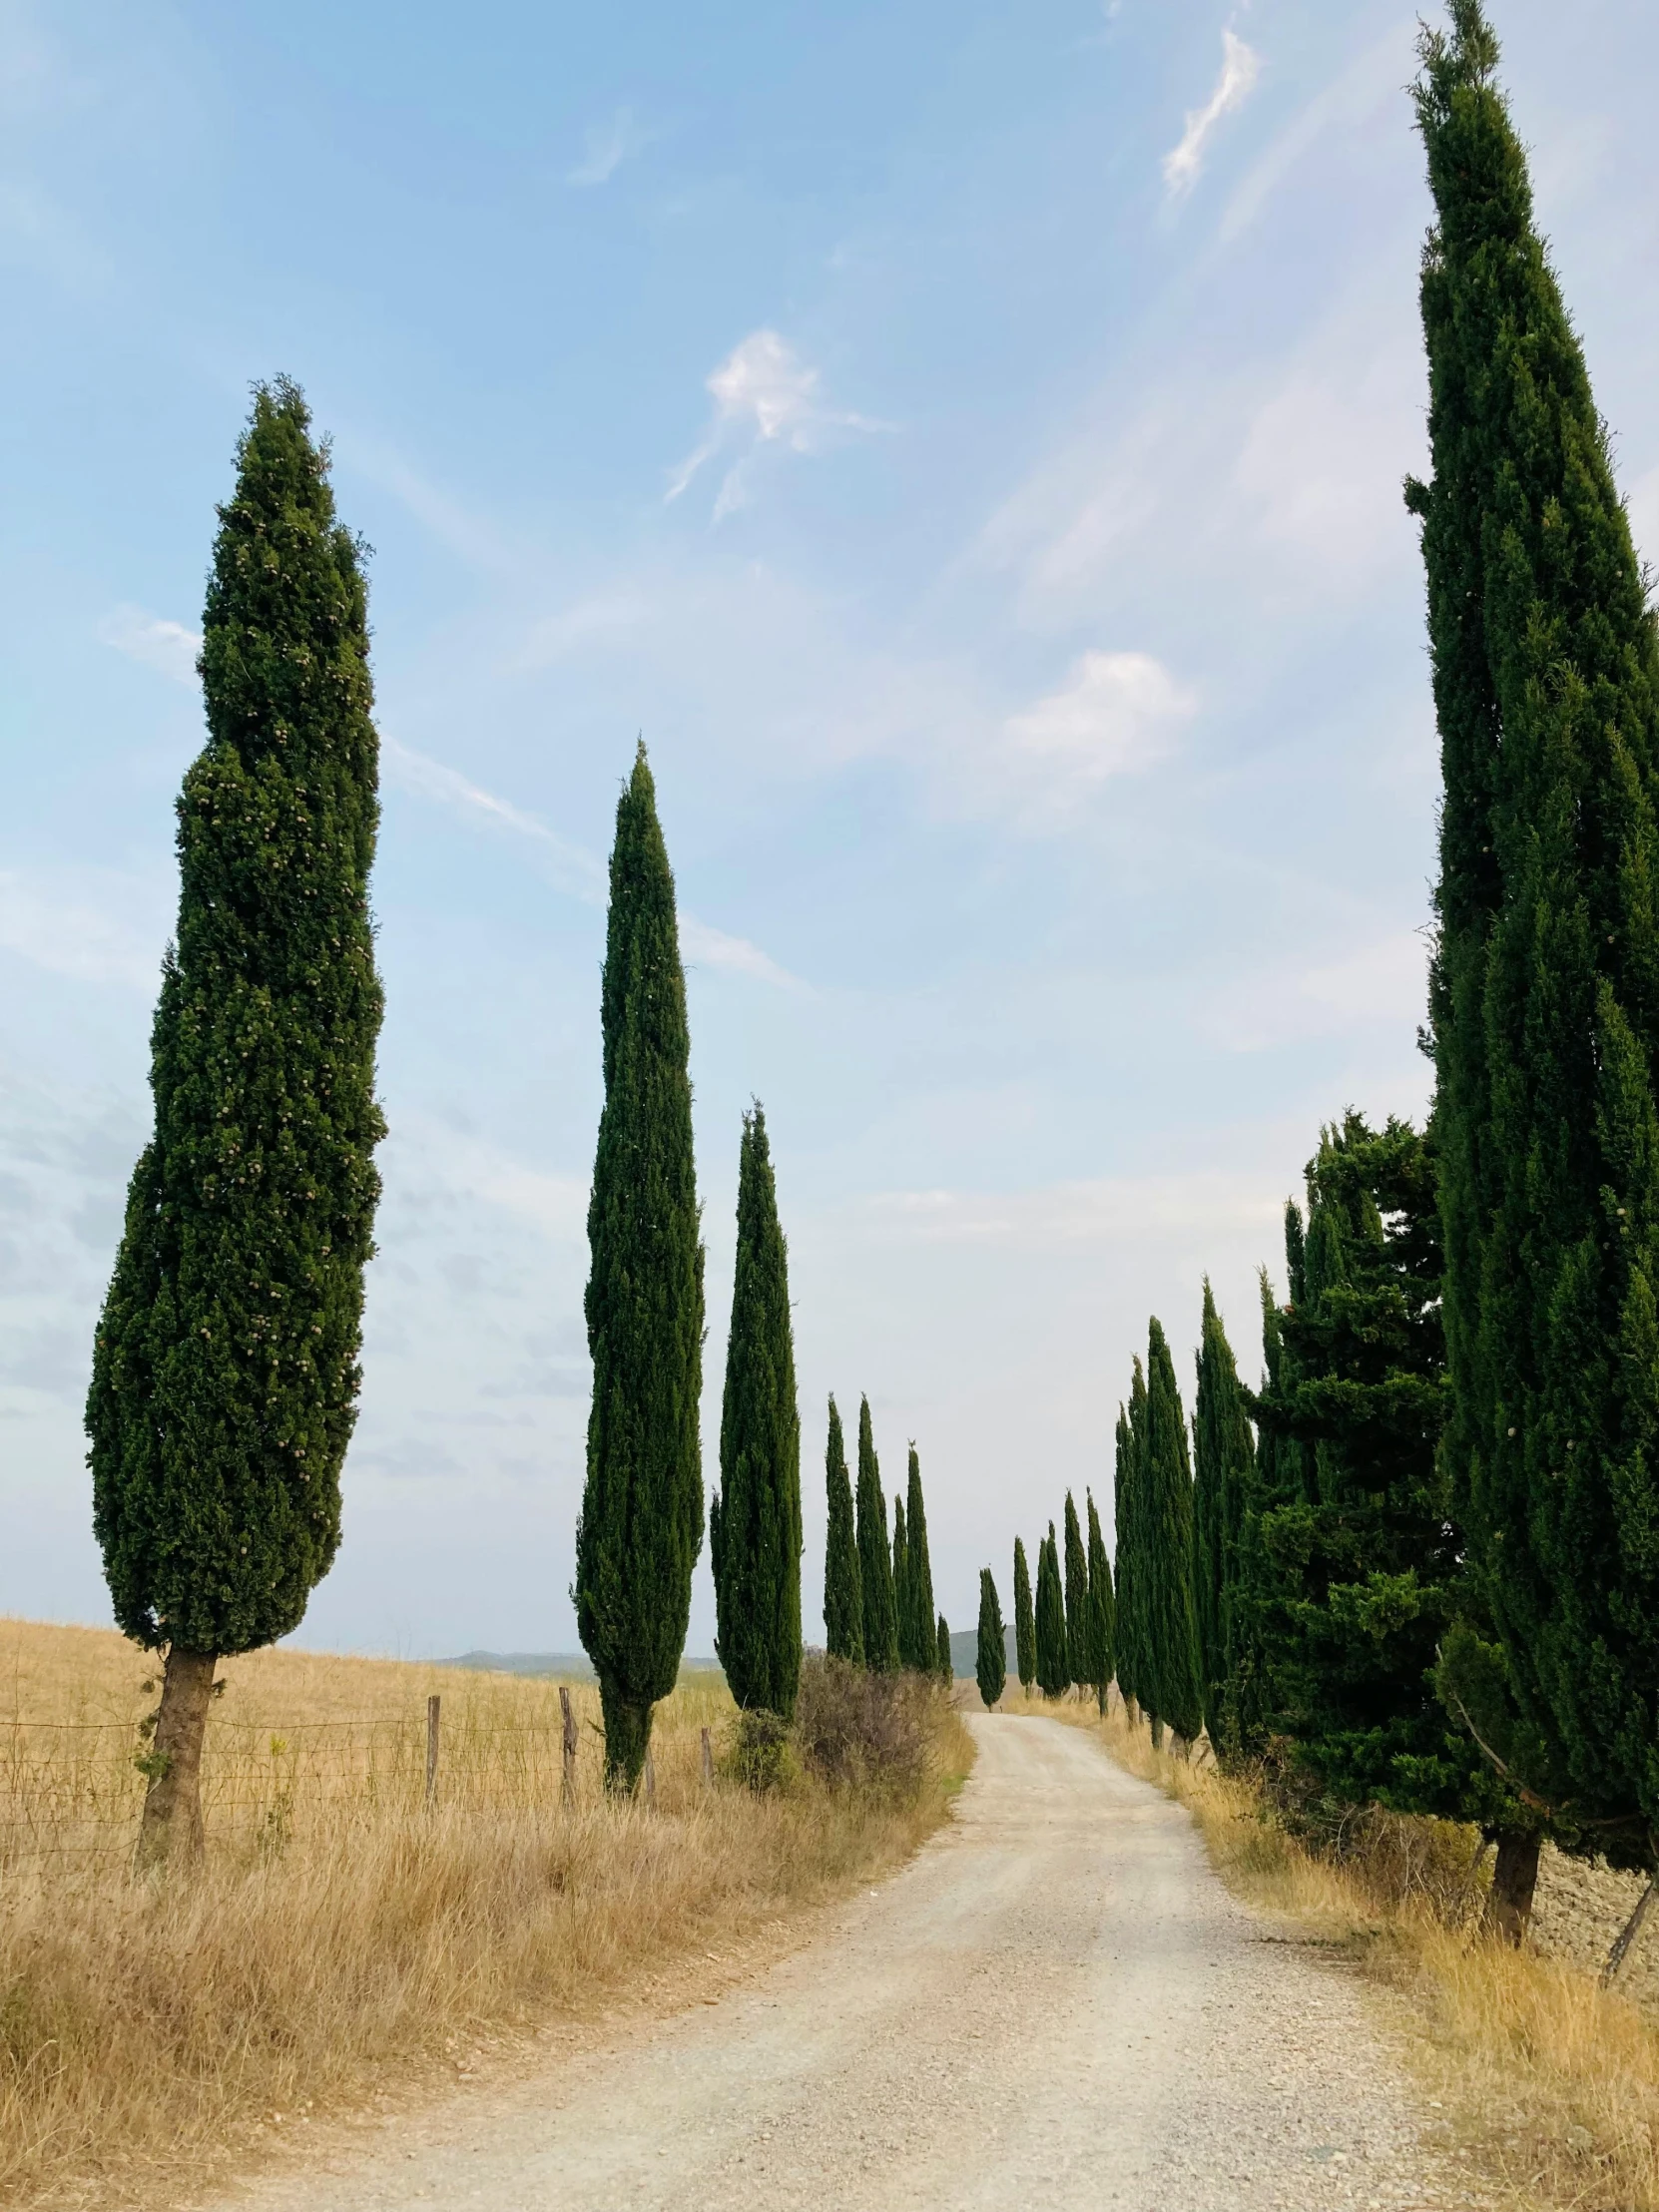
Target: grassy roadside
346,1939
1549,2084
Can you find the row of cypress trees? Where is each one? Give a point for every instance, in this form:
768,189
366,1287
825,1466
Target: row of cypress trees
878,1608
1067,1638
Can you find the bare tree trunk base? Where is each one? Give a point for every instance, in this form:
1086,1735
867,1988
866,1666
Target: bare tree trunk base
1514,1877
1627,1935
170,1832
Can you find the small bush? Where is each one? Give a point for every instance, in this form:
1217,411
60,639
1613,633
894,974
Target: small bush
854,1726
761,1754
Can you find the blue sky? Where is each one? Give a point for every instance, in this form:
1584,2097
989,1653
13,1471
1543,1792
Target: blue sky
967,441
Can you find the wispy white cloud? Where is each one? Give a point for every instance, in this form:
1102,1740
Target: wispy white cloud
1240,67
170,648
605,147
572,867
765,396
1116,711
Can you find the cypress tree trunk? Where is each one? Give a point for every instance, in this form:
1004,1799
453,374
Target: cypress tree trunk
641,1526
844,1602
1102,1611
1222,1456
946,1664
874,1559
1079,1668
990,1657
1166,1551
754,1520
920,1569
903,1598
1545,989
1053,1673
225,1374
1514,1879
1025,1625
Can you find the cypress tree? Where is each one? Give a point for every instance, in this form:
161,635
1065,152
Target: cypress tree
1102,1638
1052,1674
224,1374
1131,1640
1165,1554
755,1518
1545,993
641,1526
844,1599
920,1568
881,1619
991,1657
1224,1452
1025,1625
903,1597
946,1664
1078,1669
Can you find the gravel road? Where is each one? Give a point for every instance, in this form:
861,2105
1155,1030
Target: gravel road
1055,2004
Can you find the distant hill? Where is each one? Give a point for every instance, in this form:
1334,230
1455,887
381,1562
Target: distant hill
571,1666
964,1652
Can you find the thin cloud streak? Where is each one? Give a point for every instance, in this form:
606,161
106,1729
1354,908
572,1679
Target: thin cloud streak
1240,67
765,391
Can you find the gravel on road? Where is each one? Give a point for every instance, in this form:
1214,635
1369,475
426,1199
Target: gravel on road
1055,2004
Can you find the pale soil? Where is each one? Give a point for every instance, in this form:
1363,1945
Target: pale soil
1579,1910
1054,2004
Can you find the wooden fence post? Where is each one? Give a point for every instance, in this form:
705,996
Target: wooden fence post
567,1792
650,1778
433,1702
708,1759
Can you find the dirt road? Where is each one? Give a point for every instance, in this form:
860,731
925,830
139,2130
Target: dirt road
1056,2005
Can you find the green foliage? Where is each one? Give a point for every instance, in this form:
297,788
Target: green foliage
916,1613
1025,1626
760,1754
944,1665
991,1657
904,1624
1053,1672
1224,1457
1164,1554
881,1614
224,1374
1101,1643
1544,997
1359,1564
1077,1597
1132,1669
641,1526
755,1520
844,1599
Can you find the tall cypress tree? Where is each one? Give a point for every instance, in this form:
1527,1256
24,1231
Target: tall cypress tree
903,1597
1126,1501
920,1569
946,1665
641,1526
755,1518
1165,1553
1025,1625
225,1372
1224,1452
880,1618
1545,996
843,1597
1078,1669
991,1657
1102,1638
1052,1668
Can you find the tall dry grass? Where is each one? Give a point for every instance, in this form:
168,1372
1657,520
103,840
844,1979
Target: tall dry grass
1549,2084
343,1934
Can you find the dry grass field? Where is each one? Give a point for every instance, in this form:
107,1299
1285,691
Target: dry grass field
1548,2084
344,1933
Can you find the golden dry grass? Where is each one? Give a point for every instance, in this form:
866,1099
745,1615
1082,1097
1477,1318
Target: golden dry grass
343,1936
1548,2083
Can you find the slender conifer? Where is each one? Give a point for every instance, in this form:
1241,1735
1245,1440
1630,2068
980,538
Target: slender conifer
1052,1666
946,1663
1077,1599
991,1656
1132,1668
641,1526
755,1518
843,1597
903,1597
920,1568
1102,1638
1544,996
1166,1550
880,1618
225,1374
1224,1454
1025,1625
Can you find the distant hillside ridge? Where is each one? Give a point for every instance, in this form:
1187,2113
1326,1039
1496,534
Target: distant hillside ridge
570,1666
964,1653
